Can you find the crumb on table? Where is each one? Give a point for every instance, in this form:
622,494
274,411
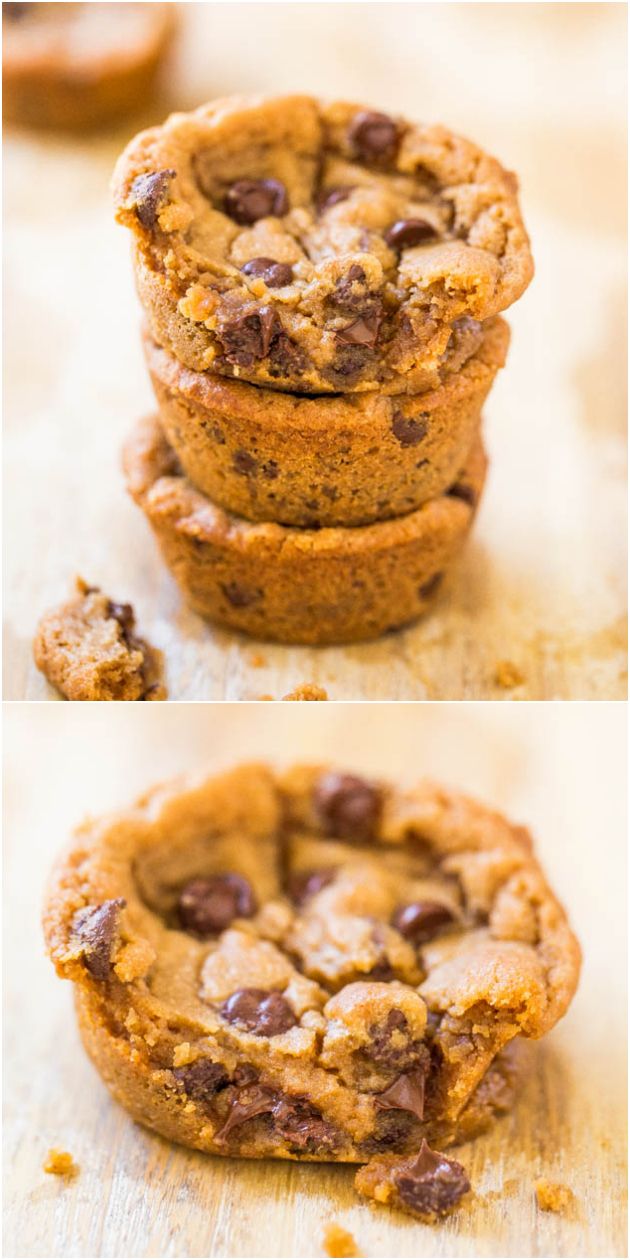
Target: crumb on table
552,1196
257,660
60,1163
307,691
508,675
338,1241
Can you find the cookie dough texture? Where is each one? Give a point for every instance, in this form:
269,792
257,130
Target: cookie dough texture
308,965
298,585
81,65
317,248
345,460
88,649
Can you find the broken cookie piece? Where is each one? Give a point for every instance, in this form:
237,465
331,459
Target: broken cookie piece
88,649
427,1185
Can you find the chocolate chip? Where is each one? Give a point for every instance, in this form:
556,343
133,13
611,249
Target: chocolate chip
244,463
381,971
391,1131
328,197
245,1103
305,884
259,1011
251,199
149,193
408,430
208,905
373,135
348,806
250,337
303,1127
274,274
361,332
429,588
124,615
420,921
240,596
392,1046
405,233
201,1080
406,1093
463,492
432,1184
285,358
350,292
95,928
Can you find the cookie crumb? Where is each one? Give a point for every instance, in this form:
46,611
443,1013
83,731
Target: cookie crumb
508,675
552,1196
338,1242
257,660
60,1163
307,691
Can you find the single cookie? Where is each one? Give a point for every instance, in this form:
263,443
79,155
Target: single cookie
307,966
317,248
81,65
88,649
298,585
347,460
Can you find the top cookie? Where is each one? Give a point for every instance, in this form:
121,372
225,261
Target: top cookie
316,248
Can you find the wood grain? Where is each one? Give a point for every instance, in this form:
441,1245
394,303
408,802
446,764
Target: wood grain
542,583
559,768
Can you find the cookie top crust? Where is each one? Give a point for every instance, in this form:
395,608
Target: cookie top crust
317,247
347,940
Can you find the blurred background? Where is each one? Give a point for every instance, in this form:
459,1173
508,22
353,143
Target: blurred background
542,584
560,769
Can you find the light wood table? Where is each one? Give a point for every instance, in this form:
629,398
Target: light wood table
558,768
542,583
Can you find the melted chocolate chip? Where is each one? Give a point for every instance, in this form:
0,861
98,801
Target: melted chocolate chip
363,331
240,596
391,1131
251,199
405,233
250,337
406,1093
124,615
246,1102
391,1045
207,906
373,135
464,492
265,1013
305,884
201,1080
432,1184
409,430
274,274
420,921
150,193
349,807
303,1127
350,292
244,463
329,197
95,928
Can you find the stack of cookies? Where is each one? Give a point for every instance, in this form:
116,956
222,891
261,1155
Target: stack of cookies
322,286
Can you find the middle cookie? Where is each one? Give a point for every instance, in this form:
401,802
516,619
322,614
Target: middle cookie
325,461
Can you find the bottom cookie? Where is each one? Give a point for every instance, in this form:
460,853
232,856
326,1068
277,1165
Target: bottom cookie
294,585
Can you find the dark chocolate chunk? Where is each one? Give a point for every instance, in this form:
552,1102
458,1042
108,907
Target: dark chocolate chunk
390,1051
201,1080
406,1093
391,1131
351,294
461,491
303,1127
420,921
246,1102
240,596
259,1011
363,331
373,135
250,337
328,197
432,1183
124,615
405,233
274,274
149,193
95,928
208,905
409,430
251,199
349,807
307,883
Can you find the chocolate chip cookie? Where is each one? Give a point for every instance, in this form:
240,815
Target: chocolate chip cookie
89,649
294,585
344,460
317,247
81,65
314,966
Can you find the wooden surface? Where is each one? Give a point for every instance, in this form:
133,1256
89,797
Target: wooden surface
558,768
541,585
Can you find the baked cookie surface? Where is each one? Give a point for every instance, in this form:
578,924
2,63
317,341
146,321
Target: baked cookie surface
309,965
317,247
